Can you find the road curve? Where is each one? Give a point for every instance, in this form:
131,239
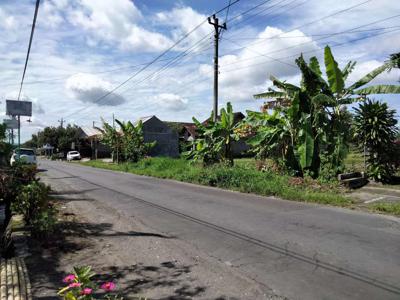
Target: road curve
300,251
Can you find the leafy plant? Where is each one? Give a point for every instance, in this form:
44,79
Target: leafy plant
214,141
44,222
5,148
127,143
31,200
375,132
80,285
310,124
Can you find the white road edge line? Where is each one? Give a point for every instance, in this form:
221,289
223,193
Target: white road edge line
376,199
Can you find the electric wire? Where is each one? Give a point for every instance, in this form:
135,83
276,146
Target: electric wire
29,46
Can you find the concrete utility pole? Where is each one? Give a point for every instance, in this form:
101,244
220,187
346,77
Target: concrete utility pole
61,122
218,28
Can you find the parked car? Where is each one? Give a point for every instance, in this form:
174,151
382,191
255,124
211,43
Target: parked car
24,155
73,155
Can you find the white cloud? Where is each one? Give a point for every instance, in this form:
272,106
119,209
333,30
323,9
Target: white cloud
50,14
116,23
7,22
89,88
171,101
182,20
248,71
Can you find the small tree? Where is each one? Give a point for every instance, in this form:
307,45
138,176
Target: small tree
214,141
127,143
5,148
133,146
375,132
112,138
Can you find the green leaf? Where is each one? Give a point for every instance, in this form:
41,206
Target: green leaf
314,65
335,76
367,78
287,87
269,95
348,69
306,149
379,89
323,100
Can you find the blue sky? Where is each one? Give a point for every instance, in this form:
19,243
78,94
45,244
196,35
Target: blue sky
83,49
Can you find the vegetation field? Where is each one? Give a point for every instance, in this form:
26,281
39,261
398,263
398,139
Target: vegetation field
243,177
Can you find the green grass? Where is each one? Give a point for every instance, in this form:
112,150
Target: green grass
388,208
243,177
354,162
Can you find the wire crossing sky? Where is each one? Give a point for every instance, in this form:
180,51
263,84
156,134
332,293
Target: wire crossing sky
92,59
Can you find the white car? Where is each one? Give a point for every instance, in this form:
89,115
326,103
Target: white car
24,155
73,155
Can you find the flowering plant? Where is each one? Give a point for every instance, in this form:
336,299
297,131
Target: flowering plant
80,286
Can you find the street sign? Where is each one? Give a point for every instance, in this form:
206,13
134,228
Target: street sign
11,123
18,108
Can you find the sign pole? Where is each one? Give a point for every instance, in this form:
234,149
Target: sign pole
19,136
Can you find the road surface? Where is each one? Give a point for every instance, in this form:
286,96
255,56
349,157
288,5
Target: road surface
300,251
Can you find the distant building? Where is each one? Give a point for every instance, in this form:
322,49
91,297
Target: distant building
167,140
91,145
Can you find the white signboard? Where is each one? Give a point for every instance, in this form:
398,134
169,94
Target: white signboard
11,123
18,108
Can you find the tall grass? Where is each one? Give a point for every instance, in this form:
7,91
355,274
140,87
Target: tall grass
243,177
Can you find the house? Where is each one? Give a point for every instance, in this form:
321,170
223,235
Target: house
90,143
185,130
167,140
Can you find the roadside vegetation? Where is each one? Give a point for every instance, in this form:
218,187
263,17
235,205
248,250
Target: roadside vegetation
23,193
299,142
392,208
242,177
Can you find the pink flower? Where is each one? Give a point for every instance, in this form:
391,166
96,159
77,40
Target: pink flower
75,284
69,278
86,291
108,286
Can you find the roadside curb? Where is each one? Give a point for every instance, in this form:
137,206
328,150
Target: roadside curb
14,278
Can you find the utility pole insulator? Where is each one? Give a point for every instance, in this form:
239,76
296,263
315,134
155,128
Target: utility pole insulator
217,30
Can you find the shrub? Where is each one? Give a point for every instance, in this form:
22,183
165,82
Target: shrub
375,131
31,200
44,223
80,285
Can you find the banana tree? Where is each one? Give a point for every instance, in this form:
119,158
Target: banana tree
214,141
317,108
133,146
112,138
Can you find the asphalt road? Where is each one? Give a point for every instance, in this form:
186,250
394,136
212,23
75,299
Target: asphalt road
300,251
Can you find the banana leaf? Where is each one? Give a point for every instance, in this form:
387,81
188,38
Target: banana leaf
379,89
335,76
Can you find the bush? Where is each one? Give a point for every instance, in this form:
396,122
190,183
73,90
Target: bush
31,200
375,131
44,223
11,181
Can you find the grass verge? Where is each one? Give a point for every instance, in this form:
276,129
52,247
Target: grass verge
388,208
243,177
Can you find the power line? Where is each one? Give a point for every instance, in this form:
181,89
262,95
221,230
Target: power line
152,62
305,43
29,46
271,59
314,35
246,20
309,51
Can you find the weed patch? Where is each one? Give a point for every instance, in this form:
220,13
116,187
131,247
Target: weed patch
243,177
